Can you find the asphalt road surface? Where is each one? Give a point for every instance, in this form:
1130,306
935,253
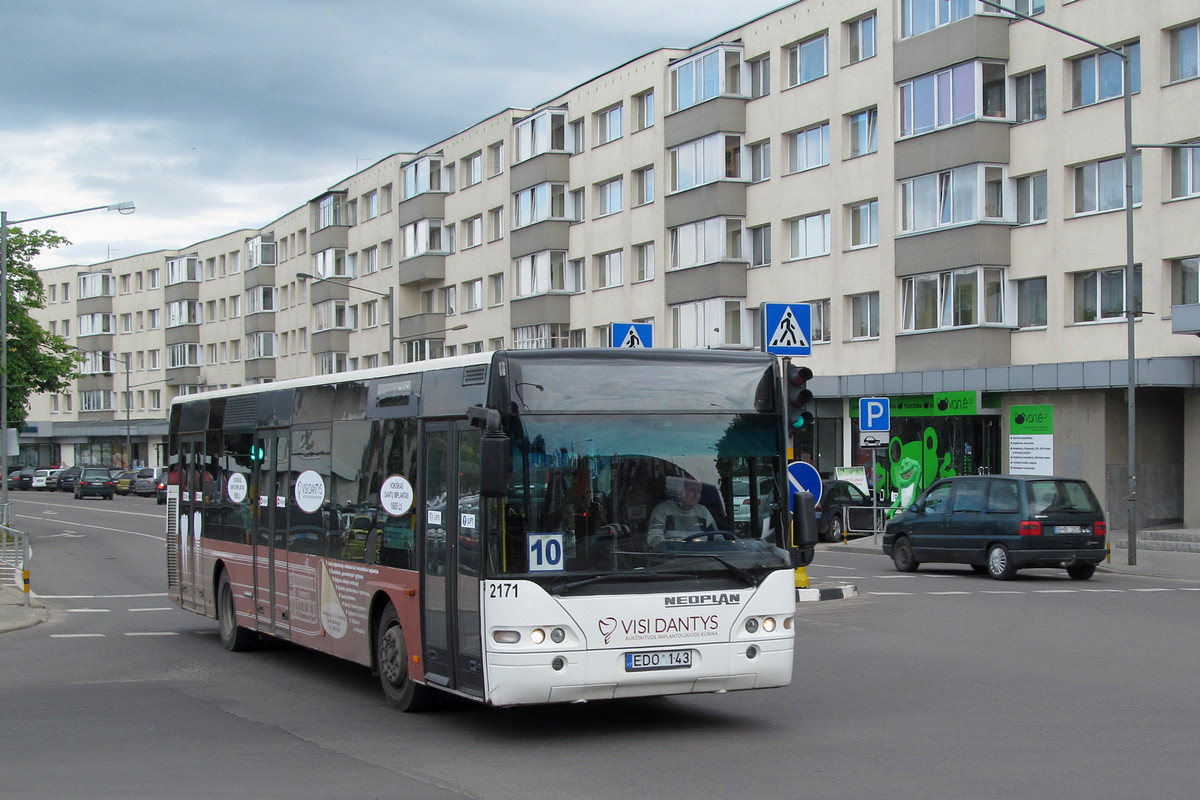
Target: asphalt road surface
941,684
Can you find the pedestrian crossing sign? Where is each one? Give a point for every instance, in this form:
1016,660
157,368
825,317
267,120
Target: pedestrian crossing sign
635,334
787,329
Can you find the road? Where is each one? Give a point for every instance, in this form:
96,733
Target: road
941,684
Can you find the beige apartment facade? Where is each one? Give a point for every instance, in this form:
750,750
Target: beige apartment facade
942,184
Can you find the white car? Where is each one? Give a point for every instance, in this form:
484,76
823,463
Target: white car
39,479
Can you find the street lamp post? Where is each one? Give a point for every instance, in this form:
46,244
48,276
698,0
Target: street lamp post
128,407
123,208
391,310
1130,358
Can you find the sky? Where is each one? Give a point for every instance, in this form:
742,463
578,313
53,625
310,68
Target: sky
216,115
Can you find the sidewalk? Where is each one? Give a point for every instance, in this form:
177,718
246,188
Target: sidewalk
1151,563
14,614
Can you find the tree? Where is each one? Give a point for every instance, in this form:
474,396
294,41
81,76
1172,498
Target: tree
38,361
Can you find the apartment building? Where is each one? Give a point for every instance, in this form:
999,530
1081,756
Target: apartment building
942,183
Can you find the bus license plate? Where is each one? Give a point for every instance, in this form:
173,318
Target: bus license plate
663,659
1068,529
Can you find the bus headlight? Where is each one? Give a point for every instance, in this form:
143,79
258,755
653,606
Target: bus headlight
558,635
537,636
768,624
506,637
751,625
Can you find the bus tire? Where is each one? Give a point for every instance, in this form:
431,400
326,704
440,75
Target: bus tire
391,659
234,637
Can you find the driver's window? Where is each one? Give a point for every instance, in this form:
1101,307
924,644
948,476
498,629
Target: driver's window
935,500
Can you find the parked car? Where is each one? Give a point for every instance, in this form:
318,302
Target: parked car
68,478
145,482
832,514
742,503
125,481
52,479
1001,523
95,482
165,476
40,478
24,478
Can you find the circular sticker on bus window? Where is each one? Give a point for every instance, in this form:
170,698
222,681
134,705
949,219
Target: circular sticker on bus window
310,491
237,487
396,495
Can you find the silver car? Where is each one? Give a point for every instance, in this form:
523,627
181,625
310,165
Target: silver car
145,482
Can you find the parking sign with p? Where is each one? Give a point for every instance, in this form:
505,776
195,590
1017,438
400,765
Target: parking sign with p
874,421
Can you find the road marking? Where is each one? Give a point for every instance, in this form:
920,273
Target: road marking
99,596
1000,591
891,594
945,594
1156,589
88,610
1114,591
1054,591
153,633
77,636
159,608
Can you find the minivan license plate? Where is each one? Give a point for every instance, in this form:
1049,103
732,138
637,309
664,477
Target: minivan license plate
1068,529
663,659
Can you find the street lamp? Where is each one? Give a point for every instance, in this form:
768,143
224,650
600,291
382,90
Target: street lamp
391,299
1130,358
126,207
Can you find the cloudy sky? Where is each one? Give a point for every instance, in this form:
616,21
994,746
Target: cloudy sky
213,115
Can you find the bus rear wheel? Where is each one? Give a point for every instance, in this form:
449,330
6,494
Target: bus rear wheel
234,637
391,658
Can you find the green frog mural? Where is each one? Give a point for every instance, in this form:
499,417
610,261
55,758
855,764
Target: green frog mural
913,466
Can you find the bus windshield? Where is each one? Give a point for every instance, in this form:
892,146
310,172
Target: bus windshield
625,499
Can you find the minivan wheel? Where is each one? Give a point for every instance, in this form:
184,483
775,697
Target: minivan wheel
999,565
903,556
1081,571
835,533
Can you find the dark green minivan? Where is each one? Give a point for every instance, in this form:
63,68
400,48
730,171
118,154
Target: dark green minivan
999,524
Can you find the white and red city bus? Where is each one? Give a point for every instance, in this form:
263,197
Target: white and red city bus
513,527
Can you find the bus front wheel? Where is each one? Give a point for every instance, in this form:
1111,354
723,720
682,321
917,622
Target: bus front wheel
391,658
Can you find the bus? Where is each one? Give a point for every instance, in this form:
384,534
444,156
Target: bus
514,527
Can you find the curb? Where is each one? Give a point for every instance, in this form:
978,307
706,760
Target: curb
827,593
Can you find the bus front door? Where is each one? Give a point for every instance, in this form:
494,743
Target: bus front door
270,533
451,558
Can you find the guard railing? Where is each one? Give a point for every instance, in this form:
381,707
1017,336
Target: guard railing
14,559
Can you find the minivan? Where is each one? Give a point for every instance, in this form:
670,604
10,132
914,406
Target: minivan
999,524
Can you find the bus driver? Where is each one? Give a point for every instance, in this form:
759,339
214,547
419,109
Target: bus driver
681,515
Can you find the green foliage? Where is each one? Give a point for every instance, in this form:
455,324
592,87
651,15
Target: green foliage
38,361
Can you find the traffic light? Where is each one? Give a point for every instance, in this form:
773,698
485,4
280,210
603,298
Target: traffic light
800,399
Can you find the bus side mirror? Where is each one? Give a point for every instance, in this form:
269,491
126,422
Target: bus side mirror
495,455
804,529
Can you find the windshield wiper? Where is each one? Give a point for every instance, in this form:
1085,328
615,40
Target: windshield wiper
557,587
737,571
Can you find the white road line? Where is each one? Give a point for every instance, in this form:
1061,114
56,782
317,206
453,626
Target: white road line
99,596
891,594
159,608
1111,591
153,633
946,594
1000,591
77,636
89,610
1156,589
1055,591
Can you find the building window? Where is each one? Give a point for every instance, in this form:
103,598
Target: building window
863,129
864,224
330,363
496,158
760,160
809,148
808,60
543,132
821,330
332,263
96,284
705,160
1100,294
808,236
450,300
472,231
864,316
336,315
472,295
1100,76
472,169
760,76
706,242
180,312
496,289
496,224
1031,198
643,110
953,299
760,245
575,141
576,212
541,337
260,345
545,272
609,270
1029,96
705,76
860,39
368,317
643,186
922,16
1185,52
183,355
1031,303
962,93
954,197
258,300
1185,281
609,197
1100,185
1185,171
181,270
643,262
331,210
718,322
608,125
538,203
